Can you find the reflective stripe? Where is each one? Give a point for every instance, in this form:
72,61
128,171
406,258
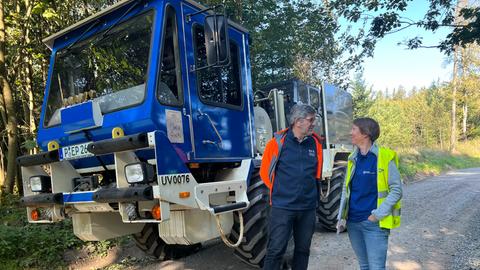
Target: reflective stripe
382,194
396,212
273,164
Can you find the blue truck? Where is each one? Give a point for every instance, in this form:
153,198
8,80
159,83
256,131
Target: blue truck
150,127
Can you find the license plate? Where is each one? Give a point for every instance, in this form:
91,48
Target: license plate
76,151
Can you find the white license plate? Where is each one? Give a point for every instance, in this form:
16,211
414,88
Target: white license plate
76,151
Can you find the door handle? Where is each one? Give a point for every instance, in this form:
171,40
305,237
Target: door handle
220,140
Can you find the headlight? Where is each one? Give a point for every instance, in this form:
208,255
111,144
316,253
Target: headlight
139,173
40,183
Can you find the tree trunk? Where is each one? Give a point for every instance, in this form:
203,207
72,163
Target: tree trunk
465,61
464,122
9,106
2,169
453,132
441,140
29,118
453,129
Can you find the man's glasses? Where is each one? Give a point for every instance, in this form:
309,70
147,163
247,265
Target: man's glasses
310,119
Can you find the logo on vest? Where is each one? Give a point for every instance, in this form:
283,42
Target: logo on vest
311,152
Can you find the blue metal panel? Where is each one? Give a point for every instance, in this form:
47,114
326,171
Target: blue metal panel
246,67
159,110
81,116
169,159
77,197
233,125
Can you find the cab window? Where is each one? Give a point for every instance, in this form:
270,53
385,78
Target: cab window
217,86
169,82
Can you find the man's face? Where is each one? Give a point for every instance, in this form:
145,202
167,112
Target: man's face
305,125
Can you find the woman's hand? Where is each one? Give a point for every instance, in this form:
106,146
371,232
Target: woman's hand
372,218
341,225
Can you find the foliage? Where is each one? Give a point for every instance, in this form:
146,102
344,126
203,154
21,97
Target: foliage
392,118
24,245
294,39
26,23
417,119
385,17
362,97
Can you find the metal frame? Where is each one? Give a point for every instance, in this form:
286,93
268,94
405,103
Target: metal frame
51,39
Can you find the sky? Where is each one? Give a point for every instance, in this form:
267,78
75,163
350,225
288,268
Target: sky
394,65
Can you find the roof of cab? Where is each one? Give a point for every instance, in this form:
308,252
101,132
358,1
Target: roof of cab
51,39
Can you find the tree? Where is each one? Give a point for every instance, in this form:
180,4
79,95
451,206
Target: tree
389,19
394,122
291,36
11,119
419,119
362,96
469,83
23,70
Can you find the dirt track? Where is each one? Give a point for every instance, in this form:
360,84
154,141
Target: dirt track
440,230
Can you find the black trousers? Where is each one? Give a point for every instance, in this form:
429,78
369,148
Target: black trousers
284,223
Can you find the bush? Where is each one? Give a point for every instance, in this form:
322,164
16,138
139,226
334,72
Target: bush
24,245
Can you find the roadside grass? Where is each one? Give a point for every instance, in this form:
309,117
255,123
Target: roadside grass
418,163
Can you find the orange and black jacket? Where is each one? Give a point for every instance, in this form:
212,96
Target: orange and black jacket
286,192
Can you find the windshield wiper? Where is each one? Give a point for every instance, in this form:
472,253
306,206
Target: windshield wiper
95,23
105,34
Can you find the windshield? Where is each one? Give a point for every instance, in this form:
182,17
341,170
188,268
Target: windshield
110,69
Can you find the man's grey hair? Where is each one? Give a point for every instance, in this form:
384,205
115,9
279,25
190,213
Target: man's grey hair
299,111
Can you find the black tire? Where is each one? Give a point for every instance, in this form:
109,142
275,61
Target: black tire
253,248
149,241
328,207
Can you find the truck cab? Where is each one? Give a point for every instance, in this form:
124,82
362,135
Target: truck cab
144,65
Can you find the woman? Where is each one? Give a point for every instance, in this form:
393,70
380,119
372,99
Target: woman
370,204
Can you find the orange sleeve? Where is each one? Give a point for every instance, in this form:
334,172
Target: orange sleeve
319,159
266,159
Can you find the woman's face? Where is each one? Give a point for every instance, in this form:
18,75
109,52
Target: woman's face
357,136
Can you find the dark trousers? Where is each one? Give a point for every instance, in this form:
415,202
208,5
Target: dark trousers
282,224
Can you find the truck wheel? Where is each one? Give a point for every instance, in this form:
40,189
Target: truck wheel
253,248
150,242
329,206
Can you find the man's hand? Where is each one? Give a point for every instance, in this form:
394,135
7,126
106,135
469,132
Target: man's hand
372,218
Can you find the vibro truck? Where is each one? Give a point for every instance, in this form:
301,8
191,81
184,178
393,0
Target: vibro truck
150,127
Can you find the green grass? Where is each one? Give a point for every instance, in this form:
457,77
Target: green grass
415,164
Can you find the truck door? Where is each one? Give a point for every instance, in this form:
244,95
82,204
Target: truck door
219,103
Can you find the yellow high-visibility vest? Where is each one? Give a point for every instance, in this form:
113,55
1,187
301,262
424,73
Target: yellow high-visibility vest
385,155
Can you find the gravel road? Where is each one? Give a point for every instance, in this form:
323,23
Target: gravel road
440,230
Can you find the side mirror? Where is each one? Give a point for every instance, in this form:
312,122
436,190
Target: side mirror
216,40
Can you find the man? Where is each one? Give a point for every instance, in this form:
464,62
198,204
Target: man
291,165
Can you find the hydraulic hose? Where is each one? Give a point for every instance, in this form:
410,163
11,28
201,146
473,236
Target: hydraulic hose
222,233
